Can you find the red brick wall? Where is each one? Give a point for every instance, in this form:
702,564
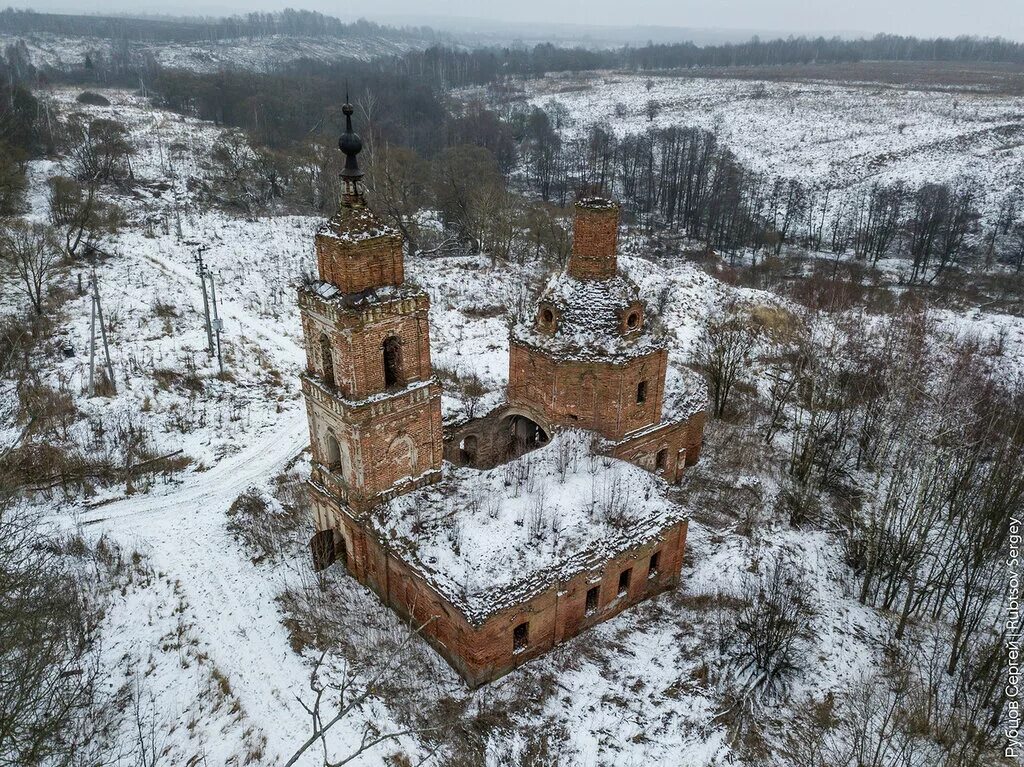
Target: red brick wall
681,441
482,654
600,396
595,235
381,443
355,266
357,341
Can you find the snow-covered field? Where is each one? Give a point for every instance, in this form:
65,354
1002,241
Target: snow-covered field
205,633
832,134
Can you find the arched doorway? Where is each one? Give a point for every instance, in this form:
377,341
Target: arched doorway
468,450
523,434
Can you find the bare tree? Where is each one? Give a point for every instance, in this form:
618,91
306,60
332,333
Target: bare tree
29,251
349,695
768,629
724,352
77,211
397,189
101,150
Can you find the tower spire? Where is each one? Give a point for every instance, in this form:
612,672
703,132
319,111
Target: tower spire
351,145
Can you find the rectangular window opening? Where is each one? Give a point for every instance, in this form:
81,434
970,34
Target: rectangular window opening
655,564
661,460
521,636
624,581
593,595
641,392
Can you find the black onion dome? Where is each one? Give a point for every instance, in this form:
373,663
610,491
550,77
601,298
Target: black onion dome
350,144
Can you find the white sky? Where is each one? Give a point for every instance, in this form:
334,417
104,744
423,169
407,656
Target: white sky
920,17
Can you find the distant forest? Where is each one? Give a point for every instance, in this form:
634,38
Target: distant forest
483,65
186,30
675,179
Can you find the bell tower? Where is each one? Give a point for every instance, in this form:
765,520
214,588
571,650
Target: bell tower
373,404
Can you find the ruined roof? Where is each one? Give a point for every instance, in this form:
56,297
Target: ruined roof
589,325
354,224
488,540
596,203
364,299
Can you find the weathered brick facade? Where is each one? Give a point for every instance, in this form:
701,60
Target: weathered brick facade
356,252
587,360
595,236
598,396
374,407
482,652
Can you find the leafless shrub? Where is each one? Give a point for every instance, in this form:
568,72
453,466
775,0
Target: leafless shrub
768,630
611,502
266,527
535,516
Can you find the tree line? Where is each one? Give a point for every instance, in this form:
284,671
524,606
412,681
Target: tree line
682,179
290,21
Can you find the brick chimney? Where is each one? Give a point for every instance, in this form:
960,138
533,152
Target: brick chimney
595,234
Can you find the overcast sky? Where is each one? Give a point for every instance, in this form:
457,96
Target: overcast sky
920,17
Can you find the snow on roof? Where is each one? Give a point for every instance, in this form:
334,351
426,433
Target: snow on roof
597,203
366,298
589,325
488,540
355,224
686,393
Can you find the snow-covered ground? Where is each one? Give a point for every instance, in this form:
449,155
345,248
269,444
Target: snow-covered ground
205,632
833,134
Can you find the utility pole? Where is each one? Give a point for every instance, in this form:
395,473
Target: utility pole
201,271
218,325
97,313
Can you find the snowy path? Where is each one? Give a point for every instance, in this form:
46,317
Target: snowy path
229,602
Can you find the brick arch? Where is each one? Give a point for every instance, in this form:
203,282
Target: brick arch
339,458
533,415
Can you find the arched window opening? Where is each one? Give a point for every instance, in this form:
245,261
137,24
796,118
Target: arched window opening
392,349
524,435
333,451
641,392
469,450
327,360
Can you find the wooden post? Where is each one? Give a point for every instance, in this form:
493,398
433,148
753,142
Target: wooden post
98,313
92,350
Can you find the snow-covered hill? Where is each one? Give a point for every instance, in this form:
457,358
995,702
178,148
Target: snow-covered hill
832,134
256,55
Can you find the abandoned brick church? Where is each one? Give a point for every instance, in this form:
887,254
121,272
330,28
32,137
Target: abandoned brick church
507,534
